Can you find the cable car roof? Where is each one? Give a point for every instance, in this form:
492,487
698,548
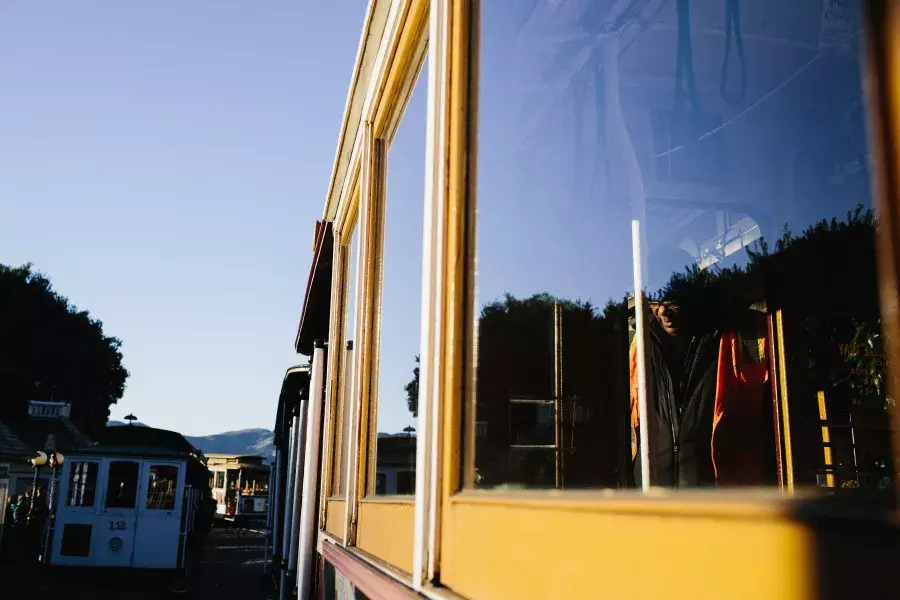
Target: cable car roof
141,441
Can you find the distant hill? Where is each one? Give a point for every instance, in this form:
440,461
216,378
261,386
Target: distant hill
257,442
246,441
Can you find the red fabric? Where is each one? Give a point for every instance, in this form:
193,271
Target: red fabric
736,442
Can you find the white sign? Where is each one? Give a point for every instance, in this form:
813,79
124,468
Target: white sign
838,23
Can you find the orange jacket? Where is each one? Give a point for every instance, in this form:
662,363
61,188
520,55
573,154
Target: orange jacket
736,442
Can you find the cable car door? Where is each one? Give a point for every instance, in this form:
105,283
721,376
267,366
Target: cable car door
159,515
116,531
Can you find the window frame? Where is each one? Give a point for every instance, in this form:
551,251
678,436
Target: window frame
468,530
385,525
334,513
95,505
379,530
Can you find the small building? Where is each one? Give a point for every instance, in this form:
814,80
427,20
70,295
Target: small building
240,485
47,426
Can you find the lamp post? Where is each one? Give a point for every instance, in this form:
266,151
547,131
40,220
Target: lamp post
54,460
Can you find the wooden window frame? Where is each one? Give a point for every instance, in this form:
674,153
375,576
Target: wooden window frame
564,544
384,525
378,530
333,507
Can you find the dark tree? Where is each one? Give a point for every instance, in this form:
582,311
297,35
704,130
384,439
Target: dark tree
412,391
51,350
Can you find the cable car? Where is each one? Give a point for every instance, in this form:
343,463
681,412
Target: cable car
240,486
138,499
631,268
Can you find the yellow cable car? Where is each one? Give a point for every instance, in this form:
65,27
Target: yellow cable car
616,282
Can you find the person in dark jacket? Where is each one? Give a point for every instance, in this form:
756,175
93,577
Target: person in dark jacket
706,395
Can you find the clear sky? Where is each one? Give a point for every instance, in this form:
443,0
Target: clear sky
163,163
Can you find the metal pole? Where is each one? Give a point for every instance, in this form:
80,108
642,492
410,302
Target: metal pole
51,518
643,429
310,473
296,500
270,490
620,139
289,488
285,527
276,495
33,492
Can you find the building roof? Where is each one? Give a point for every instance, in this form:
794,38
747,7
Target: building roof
11,446
23,439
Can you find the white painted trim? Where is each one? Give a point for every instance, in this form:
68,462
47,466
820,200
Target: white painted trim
308,528
427,530
382,65
299,475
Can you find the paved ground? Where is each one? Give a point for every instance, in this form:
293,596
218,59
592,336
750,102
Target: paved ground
231,569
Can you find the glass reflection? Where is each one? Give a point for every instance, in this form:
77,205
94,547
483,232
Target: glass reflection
396,403
714,156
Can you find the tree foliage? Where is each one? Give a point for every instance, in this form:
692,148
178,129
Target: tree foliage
412,391
49,349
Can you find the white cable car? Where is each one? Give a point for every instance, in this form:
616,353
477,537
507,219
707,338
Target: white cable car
240,486
139,499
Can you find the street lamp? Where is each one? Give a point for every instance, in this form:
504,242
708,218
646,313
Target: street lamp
54,460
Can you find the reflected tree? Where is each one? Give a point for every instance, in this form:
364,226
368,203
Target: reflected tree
412,391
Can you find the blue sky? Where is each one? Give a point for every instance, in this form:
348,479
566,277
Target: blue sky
163,162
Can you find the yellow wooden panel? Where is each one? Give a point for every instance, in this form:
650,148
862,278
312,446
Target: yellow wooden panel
385,530
335,517
535,550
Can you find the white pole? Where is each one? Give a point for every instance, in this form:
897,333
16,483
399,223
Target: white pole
641,365
617,133
310,474
289,493
302,433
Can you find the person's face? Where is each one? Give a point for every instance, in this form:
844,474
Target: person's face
667,314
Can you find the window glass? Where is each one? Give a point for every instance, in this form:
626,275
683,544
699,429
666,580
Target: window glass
163,484
82,483
345,386
395,405
714,156
254,481
220,479
121,488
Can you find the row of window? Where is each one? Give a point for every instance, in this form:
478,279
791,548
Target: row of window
123,484
739,203
668,244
